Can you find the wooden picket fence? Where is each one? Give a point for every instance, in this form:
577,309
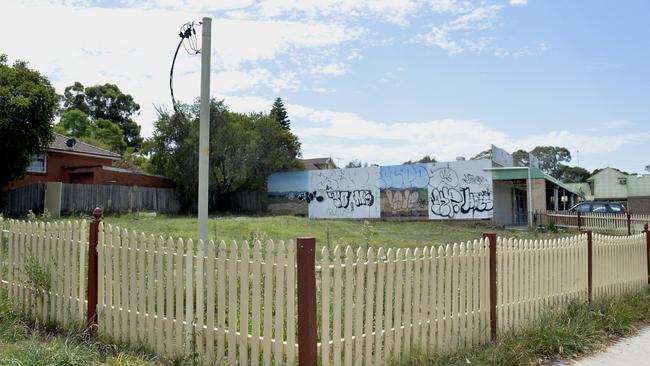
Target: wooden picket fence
598,222
43,269
237,303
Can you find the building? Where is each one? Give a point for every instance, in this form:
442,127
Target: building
66,160
633,190
493,190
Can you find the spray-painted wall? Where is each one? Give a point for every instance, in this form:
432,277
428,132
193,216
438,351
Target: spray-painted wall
437,191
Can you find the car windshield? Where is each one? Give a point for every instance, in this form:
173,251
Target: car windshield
598,207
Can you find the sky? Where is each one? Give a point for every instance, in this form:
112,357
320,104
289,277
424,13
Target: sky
381,81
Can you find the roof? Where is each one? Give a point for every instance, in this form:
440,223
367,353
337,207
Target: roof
58,144
318,163
511,173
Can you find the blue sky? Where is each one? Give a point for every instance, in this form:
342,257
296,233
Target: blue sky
383,81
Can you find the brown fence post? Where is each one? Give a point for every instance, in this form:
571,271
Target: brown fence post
590,257
492,239
647,248
579,222
93,262
629,224
307,332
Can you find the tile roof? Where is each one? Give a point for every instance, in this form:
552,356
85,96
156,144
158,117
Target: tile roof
59,144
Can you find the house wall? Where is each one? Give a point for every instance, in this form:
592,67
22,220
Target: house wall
639,205
102,176
606,184
55,172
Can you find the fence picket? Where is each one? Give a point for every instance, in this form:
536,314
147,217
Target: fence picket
336,327
325,307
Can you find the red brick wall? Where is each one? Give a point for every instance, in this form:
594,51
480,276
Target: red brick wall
639,205
131,179
54,171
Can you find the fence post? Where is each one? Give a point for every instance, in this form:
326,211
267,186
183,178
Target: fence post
492,240
307,332
590,257
629,224
647,248
93,262
579,222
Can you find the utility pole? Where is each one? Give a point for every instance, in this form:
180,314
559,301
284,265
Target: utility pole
204,131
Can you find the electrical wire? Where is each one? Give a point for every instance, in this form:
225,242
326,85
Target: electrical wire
188,35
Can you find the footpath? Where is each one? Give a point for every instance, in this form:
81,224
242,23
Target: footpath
632,351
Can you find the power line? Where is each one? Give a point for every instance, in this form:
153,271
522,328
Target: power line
187,34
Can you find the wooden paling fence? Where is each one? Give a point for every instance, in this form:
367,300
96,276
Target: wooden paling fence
599,222
274,303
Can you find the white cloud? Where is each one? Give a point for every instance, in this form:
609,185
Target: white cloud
518,2
478,19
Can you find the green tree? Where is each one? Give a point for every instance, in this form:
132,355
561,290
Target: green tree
106,102
28,104
74,123
485,154
423,160
279,113
244,150
109,133
573,174
551,157
354,163
521,155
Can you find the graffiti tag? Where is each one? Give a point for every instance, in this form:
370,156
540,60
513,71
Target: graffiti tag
447,201
356,198
310,196
404,201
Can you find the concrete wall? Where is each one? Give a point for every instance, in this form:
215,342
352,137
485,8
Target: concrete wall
539,195
503,202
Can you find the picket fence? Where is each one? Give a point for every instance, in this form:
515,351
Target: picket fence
599,222
237,303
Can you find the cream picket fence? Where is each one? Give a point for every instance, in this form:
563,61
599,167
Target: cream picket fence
44,269
599,222
377,306
536,275
235,305
620,264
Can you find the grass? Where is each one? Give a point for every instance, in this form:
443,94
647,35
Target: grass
571,332
23,342
326,232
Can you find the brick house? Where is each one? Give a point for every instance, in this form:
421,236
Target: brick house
69,161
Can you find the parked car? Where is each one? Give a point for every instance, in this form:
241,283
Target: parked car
600,207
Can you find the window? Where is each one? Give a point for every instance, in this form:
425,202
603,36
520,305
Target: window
615,207
37,164
622,181
583,208
598,207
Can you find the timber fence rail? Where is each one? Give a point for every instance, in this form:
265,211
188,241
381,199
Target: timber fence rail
598,222
273,302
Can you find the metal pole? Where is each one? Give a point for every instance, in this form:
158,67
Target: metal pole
530,198
204,131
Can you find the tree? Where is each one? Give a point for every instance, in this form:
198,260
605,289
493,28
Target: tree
279,113
28,104
106,102
551,157
573,174
485,154
521,155
109,133
647,168
425,159
74,123
244,150
354,163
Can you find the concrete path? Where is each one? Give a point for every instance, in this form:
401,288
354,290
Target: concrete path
633,351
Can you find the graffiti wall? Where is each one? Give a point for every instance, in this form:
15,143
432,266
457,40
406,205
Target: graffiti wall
288,193
404,190
460,190
344,193
437,191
